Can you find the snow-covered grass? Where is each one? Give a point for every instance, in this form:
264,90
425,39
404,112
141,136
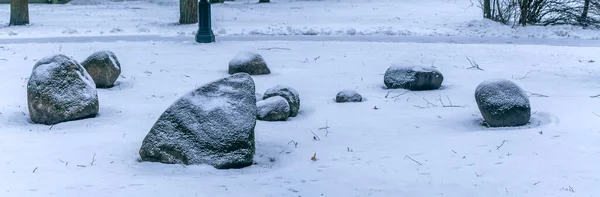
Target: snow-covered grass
404,147
282,17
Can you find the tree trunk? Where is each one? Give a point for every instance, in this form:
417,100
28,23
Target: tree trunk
19,12
586,8
487,9
188,11
524,4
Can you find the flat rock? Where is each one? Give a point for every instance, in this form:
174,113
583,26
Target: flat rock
413,78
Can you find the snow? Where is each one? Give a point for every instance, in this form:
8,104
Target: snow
282,17
397,143
378,140
243,58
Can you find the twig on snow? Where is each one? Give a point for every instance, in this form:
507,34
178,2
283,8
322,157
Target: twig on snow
498,147
536,94
450,101
326,128
315,136
93,160
34,169
429,103
596,114
294,142
413,160
595,96
474,65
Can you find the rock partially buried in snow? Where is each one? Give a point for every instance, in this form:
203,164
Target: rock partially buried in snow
104,67
248,62
502,103
213,125
273,109
291,95
346,96
413,78
60,90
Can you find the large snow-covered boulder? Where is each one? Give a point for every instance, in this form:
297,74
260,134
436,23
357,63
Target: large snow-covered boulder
346,96
213,124
502,103
273,109
60,90
413,78
290,94
248,62
104,67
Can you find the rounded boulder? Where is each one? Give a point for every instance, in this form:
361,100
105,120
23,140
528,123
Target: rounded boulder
503,103
103,67
346,96
249,62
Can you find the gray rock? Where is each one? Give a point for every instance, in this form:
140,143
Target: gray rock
413,78
502,103
291,95
273,109
60,90
248,62
104,67
345,96
213,124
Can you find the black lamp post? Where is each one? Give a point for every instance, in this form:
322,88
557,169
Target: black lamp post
205,33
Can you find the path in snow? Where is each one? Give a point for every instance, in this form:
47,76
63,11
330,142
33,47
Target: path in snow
389,39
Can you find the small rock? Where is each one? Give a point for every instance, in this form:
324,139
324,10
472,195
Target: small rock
345,96
60,90
104,67
413,78
291,95
273,109
213,124
502,103
248,62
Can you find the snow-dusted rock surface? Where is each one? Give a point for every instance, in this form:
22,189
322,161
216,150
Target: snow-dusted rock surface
59,90
413,78
290,94
103,67
249,62
213,124
273,109
502,103
345,96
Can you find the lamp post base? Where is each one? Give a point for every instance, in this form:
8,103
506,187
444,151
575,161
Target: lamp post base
205,36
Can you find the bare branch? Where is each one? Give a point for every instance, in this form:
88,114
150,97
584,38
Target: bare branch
413,160
474,65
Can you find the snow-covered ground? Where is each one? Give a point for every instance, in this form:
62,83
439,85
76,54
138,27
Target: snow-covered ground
396,143
282,17
364,152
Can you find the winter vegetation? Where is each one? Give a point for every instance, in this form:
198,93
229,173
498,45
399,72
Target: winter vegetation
299,98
